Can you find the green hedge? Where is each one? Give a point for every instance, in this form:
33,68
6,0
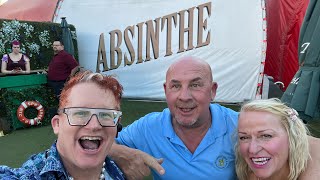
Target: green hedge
13,99
36,39
15,90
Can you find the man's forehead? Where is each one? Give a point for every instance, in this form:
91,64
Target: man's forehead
187,70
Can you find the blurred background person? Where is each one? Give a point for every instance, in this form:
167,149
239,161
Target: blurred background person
60,67
15,62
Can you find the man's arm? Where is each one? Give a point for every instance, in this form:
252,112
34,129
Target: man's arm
134,163
70,61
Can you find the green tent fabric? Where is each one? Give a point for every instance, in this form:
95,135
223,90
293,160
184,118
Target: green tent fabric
303,93
66,37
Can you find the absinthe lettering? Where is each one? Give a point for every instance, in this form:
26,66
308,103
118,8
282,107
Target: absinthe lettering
152,31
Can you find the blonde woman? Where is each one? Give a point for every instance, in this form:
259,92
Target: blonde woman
273,143
15,62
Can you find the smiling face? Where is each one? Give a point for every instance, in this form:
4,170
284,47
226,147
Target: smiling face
189,90
264,144
85,147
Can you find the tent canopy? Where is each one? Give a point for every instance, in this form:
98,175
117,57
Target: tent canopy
31,10
284,18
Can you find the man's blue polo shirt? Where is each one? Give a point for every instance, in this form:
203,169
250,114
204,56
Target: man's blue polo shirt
213,159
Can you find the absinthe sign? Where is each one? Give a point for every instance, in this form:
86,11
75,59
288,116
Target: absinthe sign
126,47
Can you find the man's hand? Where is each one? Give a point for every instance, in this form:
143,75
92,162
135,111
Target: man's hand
134,163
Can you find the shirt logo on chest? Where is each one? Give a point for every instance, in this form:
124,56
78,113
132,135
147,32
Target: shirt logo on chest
221,162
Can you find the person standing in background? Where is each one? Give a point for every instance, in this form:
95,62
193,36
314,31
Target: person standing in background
60,67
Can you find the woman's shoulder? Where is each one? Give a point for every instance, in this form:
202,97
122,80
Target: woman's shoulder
312,171
314,145
5,57
25,57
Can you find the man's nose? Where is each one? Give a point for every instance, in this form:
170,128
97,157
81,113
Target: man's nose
185,93
94,122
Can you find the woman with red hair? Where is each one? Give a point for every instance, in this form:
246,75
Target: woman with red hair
15,62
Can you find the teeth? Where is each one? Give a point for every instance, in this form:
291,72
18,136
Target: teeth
90,138
260,161
186,109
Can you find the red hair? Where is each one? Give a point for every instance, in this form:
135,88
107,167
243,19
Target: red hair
15,42
103,81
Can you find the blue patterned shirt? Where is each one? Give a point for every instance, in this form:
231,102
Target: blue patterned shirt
47,165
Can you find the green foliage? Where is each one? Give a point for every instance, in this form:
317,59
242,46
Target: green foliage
35,38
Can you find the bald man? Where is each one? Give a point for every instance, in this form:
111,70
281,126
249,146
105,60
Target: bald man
193,136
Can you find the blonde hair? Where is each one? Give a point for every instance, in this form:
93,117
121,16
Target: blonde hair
297,134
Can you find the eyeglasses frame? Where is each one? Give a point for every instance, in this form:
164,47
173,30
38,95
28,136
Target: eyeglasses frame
63,110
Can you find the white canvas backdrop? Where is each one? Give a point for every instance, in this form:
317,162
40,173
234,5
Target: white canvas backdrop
235,51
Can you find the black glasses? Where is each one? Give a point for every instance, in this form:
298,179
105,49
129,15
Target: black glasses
80,116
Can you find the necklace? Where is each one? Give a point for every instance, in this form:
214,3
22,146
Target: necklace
102,177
